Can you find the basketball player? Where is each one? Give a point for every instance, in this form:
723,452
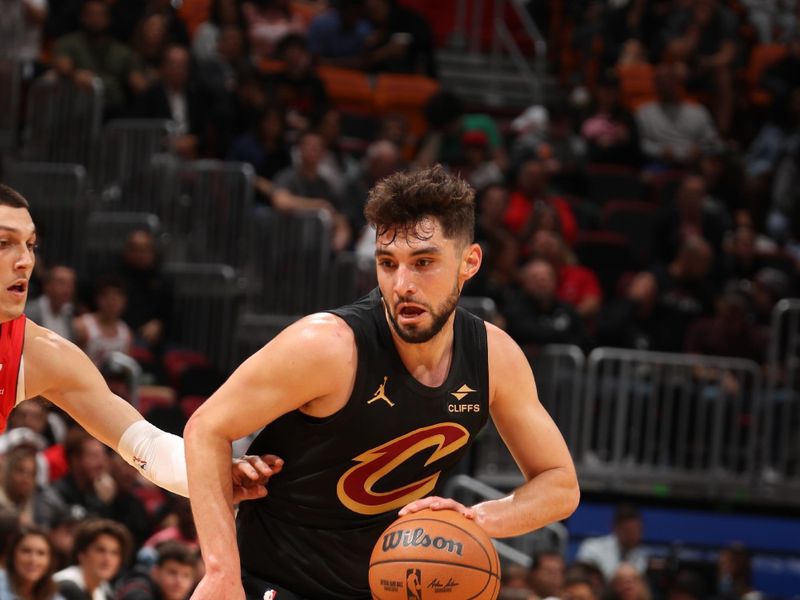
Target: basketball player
370,406
36,362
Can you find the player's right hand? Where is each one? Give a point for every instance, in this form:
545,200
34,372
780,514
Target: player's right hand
216,587
250,475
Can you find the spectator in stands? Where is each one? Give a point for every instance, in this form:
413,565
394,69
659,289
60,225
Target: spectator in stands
265,149
684,288
90,483
563,151
674,132
514,583
547,575
91,52
102,332
637,320
769,286
381,159
730,332
531,197
535,315
176,97
703,36
578,286
182,530
34,415
610,131
149,43
149,299
20,492
301,188
500,248
101,548
772,20
479,168
55,308
741,260
783,221
688,586
29,567
337,165
578,588
628,584
782,77
21,28
447,125
735,575
401,40
296,87
694,213
171,578
9,526
224,14
267,23
621,548
62,534
589,572
217,73
338,36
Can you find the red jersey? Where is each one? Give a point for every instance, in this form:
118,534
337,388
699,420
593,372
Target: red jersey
12,338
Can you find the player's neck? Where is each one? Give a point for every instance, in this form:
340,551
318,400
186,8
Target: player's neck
429,363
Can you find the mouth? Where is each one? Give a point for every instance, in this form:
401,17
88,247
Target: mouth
19,288
410,313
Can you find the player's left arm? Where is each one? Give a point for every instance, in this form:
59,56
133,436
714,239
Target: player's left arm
551,491
58,370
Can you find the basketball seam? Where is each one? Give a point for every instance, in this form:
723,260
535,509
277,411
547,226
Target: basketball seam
436,562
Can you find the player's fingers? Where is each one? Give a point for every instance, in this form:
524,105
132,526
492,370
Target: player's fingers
418,505
274,463
248,493
244,469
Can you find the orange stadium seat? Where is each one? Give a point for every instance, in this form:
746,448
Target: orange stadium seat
406,95
193,13
269,66
636,84
350,90
762,57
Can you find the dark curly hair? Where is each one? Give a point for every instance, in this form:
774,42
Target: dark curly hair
402,201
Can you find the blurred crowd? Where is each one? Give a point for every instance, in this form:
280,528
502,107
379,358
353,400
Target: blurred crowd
652,203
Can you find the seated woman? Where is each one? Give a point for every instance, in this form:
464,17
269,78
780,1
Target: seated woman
29,567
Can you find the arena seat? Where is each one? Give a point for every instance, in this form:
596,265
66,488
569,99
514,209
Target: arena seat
636,85
350,90
406,95
607,254
635,221
762,57
613,182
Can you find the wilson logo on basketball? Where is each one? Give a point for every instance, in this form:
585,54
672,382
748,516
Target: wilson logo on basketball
417,538
356,488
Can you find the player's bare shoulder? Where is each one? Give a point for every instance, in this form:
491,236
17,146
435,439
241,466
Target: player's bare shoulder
325,336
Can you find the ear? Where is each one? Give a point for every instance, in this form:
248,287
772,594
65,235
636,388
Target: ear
471,261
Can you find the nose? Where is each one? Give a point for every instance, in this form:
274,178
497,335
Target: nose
25,259
404,284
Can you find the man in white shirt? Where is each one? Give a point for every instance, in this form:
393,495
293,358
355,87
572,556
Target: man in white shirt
623,545
54,308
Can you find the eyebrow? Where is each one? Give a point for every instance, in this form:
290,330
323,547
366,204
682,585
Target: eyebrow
417,252
14,229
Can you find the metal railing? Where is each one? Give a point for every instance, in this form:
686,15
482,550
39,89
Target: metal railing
57,196
206,299
11,85
780,465
121,166
62,121
520,549
559,371
673,422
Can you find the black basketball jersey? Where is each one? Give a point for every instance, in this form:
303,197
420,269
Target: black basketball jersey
346,476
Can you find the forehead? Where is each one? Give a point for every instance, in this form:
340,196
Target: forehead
425,233
18,219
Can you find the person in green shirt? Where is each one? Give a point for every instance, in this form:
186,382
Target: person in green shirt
91,52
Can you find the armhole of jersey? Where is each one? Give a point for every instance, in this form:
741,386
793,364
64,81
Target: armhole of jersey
20,382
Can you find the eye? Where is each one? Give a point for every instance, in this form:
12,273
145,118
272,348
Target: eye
385,263
32,246
424,262
3,243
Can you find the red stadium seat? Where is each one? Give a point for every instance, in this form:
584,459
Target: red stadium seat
762,57
407,95
607,254
349,90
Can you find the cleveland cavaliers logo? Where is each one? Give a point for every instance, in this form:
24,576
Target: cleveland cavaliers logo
356,488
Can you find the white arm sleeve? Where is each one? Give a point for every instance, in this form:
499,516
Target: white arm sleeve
157,455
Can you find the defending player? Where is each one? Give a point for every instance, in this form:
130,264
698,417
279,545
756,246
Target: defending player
370,406
36,362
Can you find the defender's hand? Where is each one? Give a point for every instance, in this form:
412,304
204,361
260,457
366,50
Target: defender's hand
250,475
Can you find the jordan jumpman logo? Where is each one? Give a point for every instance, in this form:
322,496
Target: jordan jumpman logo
380,393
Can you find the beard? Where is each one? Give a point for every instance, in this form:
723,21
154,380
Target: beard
418,335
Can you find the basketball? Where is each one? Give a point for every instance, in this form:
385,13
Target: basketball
434,554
